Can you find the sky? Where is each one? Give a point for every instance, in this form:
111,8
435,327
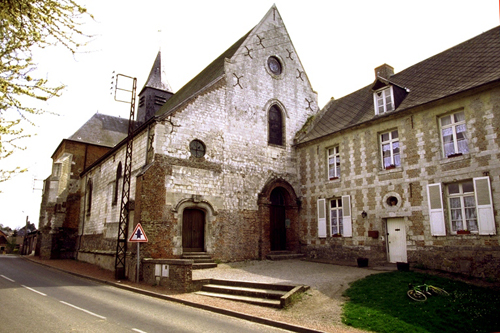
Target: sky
339,44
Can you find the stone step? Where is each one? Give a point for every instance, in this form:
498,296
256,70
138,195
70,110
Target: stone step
264,294
201,260
244,291
251,300
284,256
204,265
197,259
248,284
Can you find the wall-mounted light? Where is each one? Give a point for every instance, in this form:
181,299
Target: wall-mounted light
364,214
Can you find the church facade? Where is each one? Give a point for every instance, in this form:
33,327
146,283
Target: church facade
240,163
214,169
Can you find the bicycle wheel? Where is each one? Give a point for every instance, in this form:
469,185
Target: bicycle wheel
438,291
416,295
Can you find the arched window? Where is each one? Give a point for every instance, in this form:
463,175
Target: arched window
89,196
117,181
275,125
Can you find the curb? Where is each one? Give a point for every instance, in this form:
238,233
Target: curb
263,321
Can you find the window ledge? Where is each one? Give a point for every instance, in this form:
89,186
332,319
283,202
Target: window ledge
334,179
454,158
391,170
273,145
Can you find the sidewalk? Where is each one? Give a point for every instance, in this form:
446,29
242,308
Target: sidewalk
319,309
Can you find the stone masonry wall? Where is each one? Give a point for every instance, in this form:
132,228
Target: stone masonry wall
231,119
99,228
422,163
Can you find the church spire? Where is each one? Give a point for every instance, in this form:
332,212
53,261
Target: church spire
155,92
157,77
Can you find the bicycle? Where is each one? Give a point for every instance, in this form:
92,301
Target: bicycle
419,293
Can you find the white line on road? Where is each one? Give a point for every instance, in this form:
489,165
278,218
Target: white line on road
86,311
6,278
33,290
137,330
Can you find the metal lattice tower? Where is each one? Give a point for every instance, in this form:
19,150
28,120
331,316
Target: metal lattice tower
121,243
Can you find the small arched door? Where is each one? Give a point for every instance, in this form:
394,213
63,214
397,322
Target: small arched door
277,220
193,230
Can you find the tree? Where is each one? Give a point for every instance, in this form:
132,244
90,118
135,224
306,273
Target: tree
5,229
25,25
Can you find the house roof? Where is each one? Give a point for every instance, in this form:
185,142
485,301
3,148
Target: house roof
471,64
102,130
211,73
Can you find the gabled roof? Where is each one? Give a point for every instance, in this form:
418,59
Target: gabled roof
471,64
211,73
102,130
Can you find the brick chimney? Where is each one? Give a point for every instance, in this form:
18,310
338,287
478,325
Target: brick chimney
385,71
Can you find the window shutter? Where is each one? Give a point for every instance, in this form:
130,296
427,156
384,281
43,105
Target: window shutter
436,212
321,218
484,206
346,216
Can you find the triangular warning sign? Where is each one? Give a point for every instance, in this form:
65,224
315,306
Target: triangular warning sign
138,236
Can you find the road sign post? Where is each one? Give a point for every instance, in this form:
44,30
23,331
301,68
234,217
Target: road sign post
138,236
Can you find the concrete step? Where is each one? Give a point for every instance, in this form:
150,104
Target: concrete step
244,291
282,255
249,284
264,294
204,265
251,300
201,260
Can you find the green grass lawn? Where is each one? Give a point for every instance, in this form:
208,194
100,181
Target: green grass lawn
379,303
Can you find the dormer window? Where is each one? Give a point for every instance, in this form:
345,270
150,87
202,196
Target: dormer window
384,100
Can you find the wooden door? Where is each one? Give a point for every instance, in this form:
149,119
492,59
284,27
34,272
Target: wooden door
277,220
396,239
193,231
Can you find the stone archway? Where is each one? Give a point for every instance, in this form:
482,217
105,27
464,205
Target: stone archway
194,218
278,214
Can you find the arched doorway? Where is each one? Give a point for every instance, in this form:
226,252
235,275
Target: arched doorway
277,219
193,230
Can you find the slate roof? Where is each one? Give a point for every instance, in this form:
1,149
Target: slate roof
471,64
202,80
102,130
157,76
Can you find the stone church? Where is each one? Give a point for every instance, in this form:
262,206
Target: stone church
240,163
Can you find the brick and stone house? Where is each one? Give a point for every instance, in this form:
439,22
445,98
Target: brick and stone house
239,163
60,206
213,168
3,242
407,169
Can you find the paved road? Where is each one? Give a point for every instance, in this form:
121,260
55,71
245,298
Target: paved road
34,298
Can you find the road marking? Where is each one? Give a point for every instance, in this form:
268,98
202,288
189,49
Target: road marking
6,278
33,290
86,311
137,330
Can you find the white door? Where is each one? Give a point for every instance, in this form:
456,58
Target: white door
396,239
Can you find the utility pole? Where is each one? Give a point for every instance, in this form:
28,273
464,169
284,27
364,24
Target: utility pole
121,242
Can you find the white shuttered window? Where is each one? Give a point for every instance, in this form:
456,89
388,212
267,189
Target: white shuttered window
321,218
470,207
484,205
347,217
436,212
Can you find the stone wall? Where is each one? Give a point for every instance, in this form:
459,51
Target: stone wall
422,163
230,117
179,273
